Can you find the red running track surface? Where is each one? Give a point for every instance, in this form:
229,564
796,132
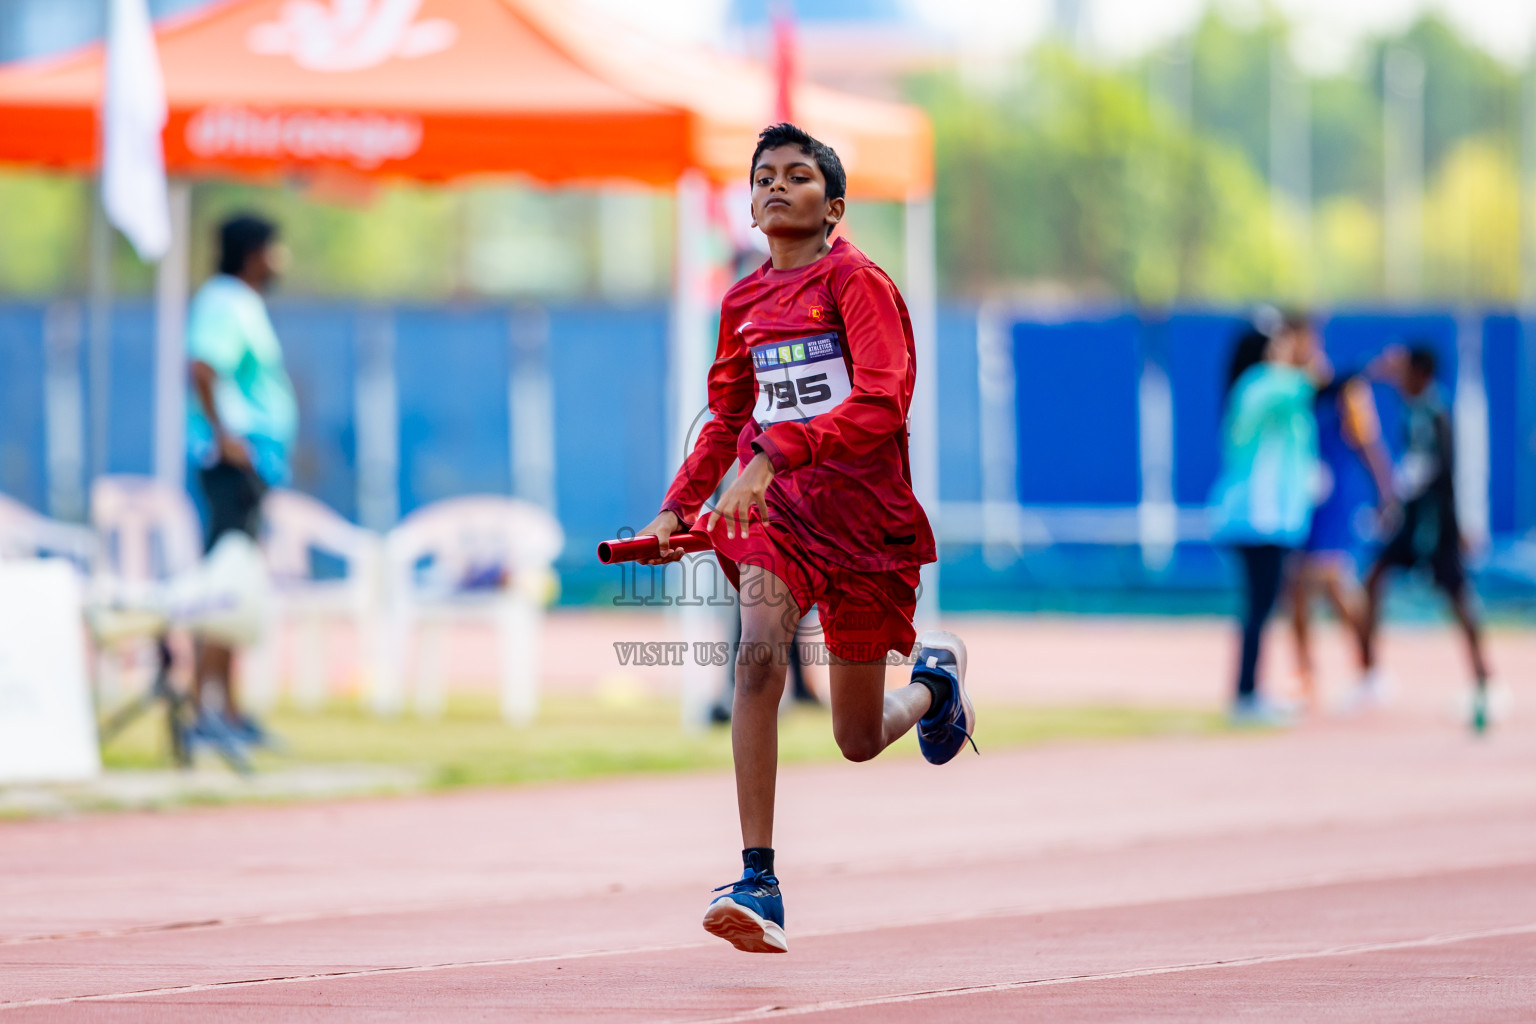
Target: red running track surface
1369,871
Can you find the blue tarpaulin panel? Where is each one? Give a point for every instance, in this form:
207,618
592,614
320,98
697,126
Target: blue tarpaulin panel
612,452
451,375
319,348
131,404
1077,411
1509,375
959,398
22,413
1076,385
1196,349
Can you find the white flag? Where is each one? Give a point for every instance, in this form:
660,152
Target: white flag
133,188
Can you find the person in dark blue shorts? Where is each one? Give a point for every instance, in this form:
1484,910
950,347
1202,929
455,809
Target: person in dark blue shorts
1356,473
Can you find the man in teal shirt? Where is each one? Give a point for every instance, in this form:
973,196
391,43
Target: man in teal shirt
241,417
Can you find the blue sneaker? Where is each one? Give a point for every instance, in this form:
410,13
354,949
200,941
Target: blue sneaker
944,731
211,730
750,916
1253,711
252,733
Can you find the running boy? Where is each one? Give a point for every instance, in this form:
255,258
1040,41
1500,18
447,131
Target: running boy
810,389
1429,534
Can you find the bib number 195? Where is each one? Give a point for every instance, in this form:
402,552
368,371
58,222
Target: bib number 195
805,391
799,379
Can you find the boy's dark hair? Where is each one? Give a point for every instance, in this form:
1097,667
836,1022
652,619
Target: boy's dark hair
1247,353
240,237
786,134
1421,359
1295,320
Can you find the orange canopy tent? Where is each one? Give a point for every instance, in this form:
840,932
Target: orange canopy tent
442,89
437,90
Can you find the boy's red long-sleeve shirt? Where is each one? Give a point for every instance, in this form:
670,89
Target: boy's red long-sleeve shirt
815,368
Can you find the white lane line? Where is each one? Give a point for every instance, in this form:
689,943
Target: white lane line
677,947
260,920
770,1013
295,979
775,1012
1312,880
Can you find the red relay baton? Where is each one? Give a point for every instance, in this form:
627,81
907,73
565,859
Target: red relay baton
647,546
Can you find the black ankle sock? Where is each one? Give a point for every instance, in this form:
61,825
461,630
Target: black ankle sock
939,685
758,858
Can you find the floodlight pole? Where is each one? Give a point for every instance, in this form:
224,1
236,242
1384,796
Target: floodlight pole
922,306
172,280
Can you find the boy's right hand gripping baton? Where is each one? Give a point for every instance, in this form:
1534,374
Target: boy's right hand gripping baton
647,546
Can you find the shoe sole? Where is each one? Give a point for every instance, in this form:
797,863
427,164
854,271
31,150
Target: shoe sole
744,928
945,640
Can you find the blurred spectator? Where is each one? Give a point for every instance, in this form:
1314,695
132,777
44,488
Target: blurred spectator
241,420
1429,534
1262,500
1355,470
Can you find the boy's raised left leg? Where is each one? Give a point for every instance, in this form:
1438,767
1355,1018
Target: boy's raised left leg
866,719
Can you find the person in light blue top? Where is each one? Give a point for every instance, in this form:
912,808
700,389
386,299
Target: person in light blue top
1263,498
242,410
241,422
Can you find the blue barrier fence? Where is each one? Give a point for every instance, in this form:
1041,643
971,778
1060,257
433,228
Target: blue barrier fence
1077,415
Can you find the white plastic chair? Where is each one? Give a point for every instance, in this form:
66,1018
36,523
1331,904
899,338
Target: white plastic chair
146,533
28,534
295,527
479,557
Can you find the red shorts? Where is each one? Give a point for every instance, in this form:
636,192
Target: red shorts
863,614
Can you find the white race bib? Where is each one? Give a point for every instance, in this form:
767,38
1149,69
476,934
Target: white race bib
799,379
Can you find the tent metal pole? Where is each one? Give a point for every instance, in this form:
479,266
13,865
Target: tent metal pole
172,281
921,295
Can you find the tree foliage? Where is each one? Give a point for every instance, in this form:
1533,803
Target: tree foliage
1078,179
1075,180
1061,177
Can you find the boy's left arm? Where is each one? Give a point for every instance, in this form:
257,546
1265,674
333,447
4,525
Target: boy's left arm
876,407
